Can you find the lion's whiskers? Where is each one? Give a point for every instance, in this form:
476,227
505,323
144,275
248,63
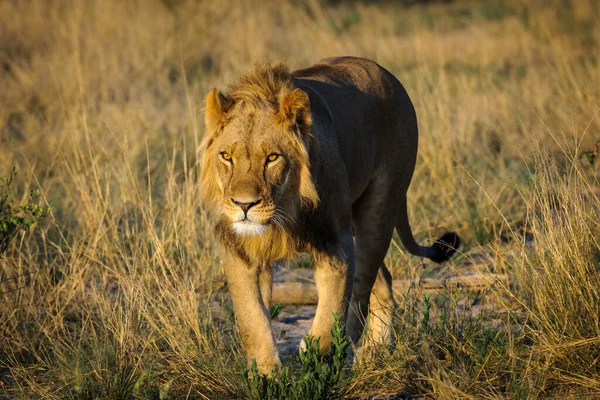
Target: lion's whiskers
282,216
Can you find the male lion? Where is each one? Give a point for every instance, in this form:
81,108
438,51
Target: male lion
319,161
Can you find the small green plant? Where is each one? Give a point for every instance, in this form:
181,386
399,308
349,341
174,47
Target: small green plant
15,218
319,372
304,263
275,310
426,313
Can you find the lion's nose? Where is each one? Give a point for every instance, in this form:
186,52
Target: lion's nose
245,206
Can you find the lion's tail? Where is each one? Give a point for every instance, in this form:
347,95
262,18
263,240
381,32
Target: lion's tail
440,251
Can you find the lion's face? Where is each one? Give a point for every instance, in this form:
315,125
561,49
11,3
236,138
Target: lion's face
256,169
255,165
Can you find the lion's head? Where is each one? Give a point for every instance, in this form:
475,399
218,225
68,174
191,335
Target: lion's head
255,164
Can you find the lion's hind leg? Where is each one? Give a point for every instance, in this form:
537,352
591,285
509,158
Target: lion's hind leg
381,311
373,233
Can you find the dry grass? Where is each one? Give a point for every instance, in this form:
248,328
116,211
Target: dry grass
100,107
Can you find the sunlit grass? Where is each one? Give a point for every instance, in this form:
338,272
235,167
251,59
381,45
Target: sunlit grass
121,288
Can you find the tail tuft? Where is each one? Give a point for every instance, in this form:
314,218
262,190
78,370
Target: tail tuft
445,247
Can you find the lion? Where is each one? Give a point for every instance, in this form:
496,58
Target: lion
316,161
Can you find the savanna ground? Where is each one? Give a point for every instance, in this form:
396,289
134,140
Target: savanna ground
116,294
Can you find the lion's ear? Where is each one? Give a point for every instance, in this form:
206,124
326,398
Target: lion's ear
217,106
294,108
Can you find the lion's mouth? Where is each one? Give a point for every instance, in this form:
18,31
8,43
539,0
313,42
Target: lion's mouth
249,228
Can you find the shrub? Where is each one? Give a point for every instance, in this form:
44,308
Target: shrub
16,218
318,375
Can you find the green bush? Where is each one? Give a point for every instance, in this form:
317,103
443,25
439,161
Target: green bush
318,375
15,218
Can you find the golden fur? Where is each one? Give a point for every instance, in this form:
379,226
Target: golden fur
264,86
299,162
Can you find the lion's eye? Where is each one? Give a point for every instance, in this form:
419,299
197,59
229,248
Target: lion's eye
272,157
226,156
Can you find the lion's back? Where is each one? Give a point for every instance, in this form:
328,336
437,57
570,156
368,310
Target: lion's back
374,119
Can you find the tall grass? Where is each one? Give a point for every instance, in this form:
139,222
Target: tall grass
560,278
120,290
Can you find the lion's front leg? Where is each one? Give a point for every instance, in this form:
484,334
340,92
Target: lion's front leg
265,281
251,313
333,275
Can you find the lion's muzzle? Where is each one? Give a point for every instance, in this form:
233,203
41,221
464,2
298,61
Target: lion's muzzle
245,205
246,216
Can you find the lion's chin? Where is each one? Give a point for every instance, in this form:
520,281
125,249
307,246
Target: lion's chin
248,228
